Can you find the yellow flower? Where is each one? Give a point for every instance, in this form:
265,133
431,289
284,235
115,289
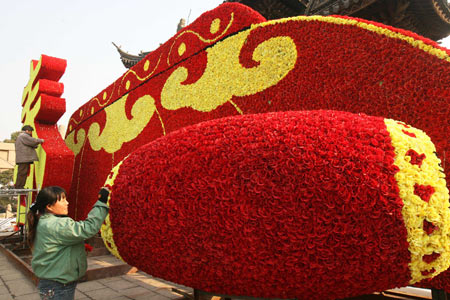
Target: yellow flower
417,210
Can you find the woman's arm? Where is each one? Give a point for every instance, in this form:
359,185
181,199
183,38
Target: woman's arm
67,231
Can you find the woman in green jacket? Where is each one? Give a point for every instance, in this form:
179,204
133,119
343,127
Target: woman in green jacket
57,241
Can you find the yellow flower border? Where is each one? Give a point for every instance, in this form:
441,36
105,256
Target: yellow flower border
367,26
106,230
416,210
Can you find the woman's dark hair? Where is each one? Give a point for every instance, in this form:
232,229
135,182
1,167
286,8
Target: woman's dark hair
46,196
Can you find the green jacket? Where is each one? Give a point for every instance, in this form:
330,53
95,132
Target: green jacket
58,252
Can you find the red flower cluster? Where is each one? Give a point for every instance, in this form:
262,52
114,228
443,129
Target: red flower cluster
88,248
428,227
424,192
416,159
278,205
440,282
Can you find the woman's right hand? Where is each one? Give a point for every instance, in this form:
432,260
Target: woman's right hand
103,195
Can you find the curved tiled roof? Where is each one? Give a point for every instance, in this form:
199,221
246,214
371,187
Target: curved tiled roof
430,18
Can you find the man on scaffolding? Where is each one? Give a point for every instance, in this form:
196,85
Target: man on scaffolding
25,154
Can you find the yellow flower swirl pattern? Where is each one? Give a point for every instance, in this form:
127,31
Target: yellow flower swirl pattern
416,210
73,145
223,78
110,139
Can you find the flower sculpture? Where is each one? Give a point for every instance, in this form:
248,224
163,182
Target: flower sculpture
232,63
42,107
306,205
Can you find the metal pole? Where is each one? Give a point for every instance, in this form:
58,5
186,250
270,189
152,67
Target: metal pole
439,295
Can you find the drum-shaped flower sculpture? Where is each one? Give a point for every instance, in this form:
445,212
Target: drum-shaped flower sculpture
307,205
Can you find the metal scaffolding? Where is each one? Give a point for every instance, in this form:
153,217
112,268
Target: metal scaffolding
22,211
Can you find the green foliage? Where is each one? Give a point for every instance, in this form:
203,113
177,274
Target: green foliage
13,138
6,176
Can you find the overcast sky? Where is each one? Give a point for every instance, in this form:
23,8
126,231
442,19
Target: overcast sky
81,32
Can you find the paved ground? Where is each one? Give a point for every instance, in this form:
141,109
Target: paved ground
139,286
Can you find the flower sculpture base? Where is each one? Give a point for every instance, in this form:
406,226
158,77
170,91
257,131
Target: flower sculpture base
306,205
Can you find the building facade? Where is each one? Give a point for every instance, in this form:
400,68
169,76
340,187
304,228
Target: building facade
7,156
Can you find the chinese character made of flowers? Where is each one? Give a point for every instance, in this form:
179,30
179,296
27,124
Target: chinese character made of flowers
42,106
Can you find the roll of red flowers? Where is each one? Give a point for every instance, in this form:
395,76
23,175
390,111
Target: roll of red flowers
307,205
